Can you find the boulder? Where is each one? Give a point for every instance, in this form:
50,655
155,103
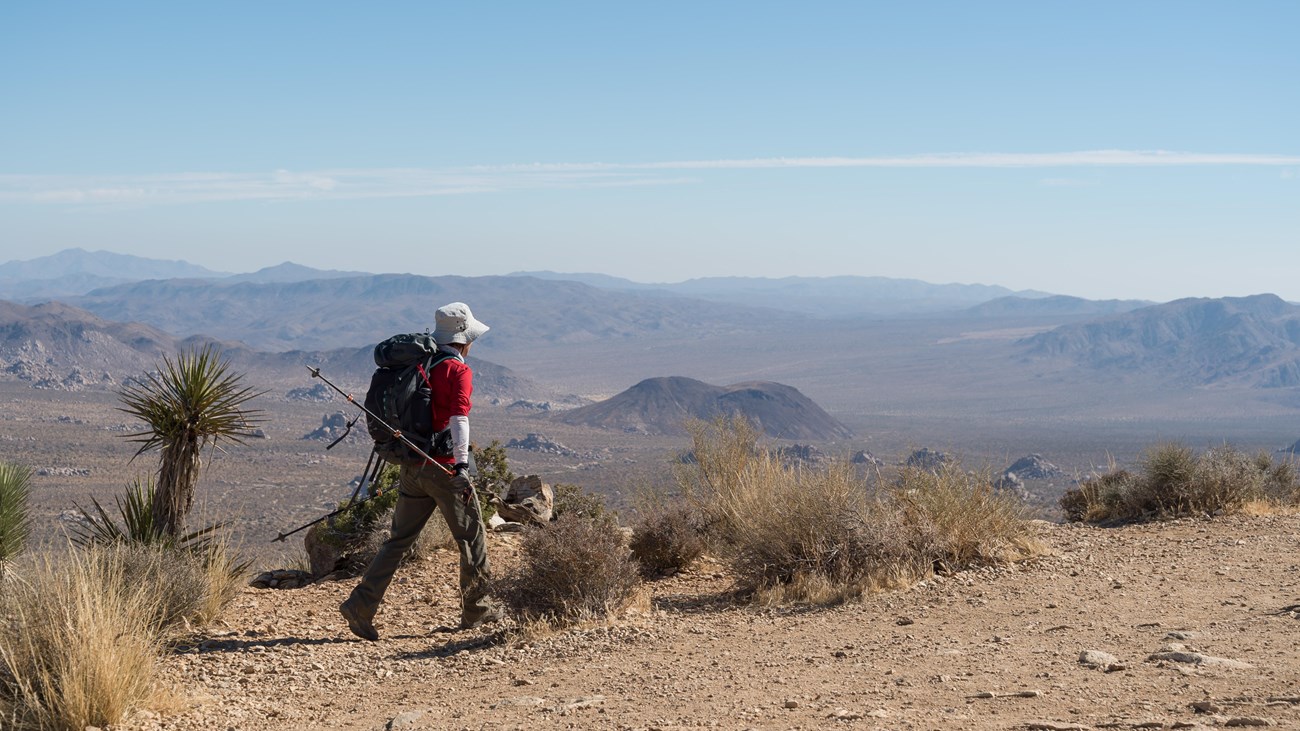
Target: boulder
528,500
332,426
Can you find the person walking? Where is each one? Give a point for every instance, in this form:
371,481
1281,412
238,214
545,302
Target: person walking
428,487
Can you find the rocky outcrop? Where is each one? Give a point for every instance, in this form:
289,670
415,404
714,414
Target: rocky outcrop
318,393
927,459
332,426
1033,467
863,457
528,500
540,444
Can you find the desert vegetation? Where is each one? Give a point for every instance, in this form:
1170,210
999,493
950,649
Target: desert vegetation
821,535
83,632
14,518
1174,481
191,402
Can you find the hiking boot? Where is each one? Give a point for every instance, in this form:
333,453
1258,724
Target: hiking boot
358,622
492,614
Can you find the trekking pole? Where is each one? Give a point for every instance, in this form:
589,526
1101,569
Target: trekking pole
397,434
368,476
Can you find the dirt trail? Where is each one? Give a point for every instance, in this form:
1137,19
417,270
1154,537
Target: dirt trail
926,658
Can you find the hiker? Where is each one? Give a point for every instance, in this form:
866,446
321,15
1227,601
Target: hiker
425,488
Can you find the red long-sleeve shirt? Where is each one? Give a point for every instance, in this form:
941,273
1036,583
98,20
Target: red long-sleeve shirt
452,385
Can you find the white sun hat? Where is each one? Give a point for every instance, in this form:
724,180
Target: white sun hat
454,323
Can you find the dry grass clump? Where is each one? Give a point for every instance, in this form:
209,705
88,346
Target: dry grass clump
968,522
822,535
81,636
1175,481
667,538
570,571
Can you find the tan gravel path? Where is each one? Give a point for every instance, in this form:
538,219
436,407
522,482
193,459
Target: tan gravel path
989,649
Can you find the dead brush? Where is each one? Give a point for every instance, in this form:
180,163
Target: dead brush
571,571
667,538
80,642
1176,482
972,524
823,535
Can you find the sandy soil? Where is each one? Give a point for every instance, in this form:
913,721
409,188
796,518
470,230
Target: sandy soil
988,649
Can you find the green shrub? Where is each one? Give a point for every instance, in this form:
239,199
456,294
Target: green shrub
14,516
667,538
569,571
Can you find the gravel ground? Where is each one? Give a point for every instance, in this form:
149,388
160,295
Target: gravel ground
1192,624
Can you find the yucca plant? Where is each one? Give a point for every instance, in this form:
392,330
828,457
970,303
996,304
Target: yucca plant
14,517
192,402
138,523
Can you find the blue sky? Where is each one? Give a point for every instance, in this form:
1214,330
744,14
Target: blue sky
1125,149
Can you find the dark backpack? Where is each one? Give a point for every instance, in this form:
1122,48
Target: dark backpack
399,394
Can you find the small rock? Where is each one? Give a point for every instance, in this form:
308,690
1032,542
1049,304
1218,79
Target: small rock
879,713
1177,653
841,714
1054,726
790,704
904,621
404,720
1242,721
1100,660
1206,707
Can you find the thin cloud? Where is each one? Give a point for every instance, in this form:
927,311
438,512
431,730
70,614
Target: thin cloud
343,184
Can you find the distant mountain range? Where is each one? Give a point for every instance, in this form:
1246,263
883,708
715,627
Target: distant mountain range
1054,305
839,296
663,405
54,345
353,311
74,272
1253,341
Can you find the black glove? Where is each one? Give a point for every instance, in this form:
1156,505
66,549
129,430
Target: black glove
460,482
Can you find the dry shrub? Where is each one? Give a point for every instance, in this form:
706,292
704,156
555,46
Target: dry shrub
970,523
822,535
80,642
1176,482
570,571
81,636
667,538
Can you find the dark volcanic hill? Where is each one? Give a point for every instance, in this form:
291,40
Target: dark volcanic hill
1253,341
663,405
354,311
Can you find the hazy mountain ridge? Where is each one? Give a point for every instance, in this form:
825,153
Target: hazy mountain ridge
834,296
1054,305
351,311
663,405
48,342
76,271
1253,341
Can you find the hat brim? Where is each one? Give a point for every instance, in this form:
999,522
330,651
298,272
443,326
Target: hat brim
473,329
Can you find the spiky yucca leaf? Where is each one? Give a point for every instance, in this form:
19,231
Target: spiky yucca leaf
137,526
194,396
192,402
14,518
